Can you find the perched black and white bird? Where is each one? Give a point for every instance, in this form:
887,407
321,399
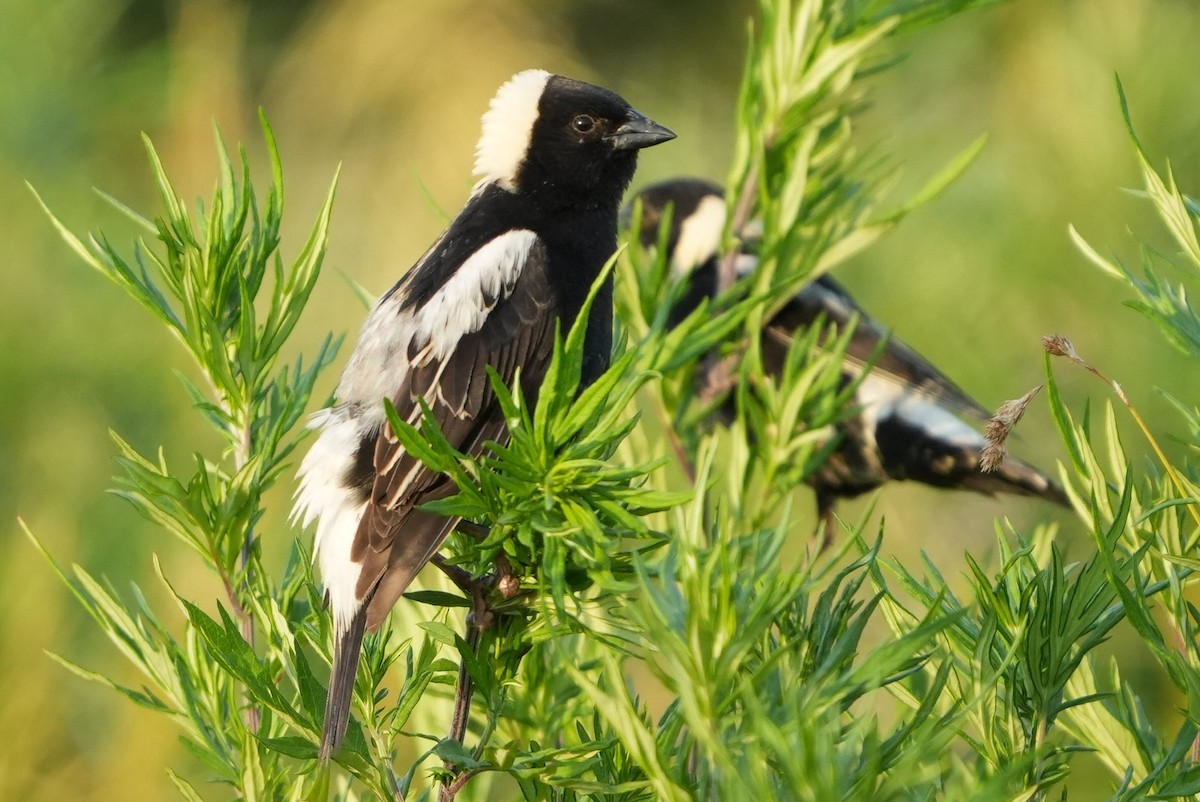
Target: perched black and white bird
554,158
907,424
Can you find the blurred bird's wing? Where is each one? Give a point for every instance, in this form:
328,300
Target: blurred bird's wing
508,329
897,362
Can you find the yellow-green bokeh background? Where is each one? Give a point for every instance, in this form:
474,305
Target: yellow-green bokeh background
393,92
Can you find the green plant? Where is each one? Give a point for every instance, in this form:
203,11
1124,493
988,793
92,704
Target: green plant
239,684
646,537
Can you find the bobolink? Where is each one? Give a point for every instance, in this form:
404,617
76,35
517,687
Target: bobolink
554,158
906,425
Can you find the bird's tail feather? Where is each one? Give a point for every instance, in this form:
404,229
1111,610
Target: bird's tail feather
1014,476
347,649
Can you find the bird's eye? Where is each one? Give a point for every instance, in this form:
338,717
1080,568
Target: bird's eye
583,124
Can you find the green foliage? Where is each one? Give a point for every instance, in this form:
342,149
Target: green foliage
239,685
651,528
1146,528
759,656
794,161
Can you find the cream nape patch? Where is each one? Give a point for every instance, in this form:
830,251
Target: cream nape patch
699,235
508,126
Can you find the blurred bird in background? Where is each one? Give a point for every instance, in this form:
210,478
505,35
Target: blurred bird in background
554,158
906,424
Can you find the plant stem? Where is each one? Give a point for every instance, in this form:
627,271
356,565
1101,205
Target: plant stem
479,619
1061,346
451,790
718,373
241,456
672,434
741,215
1039,738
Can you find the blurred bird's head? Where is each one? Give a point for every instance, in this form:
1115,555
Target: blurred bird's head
697,219
558,140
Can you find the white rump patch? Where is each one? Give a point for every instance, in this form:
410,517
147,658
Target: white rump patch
508,126
323,496
338,572
881,399
699,235
462,304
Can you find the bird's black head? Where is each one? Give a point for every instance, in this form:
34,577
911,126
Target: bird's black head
697,220
562,142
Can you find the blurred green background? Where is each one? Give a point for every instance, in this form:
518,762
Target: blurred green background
393,91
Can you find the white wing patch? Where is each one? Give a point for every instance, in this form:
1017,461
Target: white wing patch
881,399
699,235
462,304
508,126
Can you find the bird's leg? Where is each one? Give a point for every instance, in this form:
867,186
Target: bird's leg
462,706
503,579
461,578
475,587
480,618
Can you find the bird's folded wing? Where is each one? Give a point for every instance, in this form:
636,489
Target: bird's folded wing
394,539
897,362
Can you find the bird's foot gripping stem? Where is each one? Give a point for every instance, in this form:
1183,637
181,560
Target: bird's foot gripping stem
477,588
481,618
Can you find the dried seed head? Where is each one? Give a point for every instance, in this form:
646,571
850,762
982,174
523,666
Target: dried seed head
1059,345
992,457
1000,426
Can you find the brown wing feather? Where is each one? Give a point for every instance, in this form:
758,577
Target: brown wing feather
394,539
898,362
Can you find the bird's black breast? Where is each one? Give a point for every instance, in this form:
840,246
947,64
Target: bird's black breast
578,244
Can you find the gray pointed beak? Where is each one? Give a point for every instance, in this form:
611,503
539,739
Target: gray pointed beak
639,131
